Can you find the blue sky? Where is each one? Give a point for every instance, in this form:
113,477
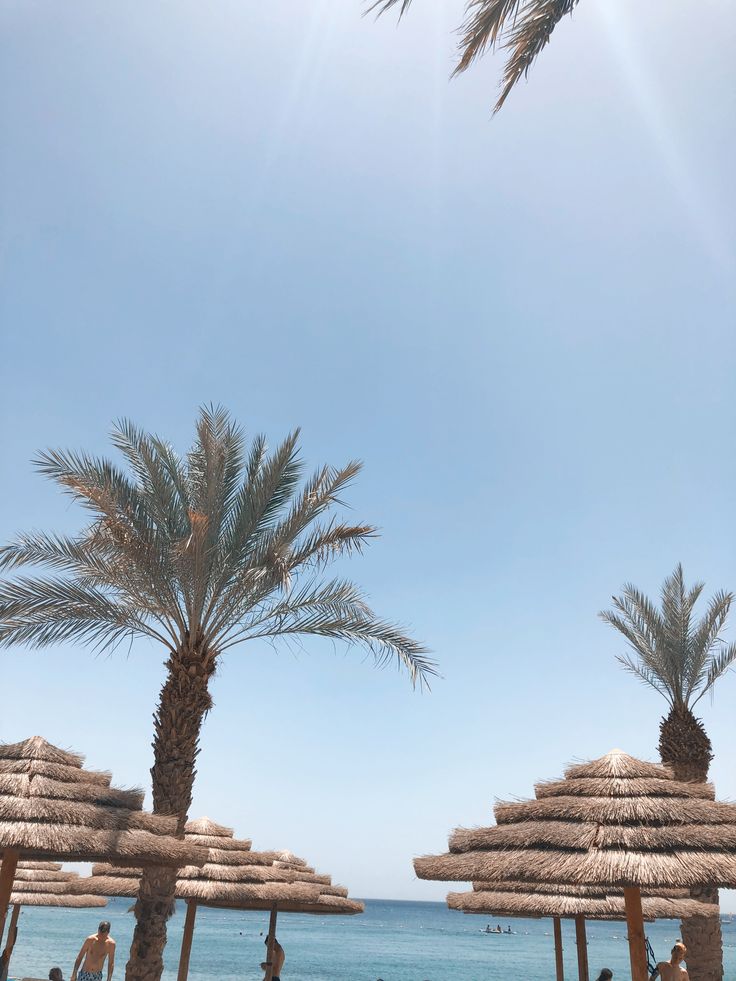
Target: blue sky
524,326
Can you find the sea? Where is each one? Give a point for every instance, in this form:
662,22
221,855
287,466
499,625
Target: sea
391,941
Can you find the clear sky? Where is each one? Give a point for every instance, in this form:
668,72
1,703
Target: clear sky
524,326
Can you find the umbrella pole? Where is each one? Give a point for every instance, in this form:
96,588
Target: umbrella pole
559,961
582,942
7,876
186,941
12,936
271,942
637,942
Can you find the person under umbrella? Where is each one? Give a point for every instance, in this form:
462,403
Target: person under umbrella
670,970
277,960
95,950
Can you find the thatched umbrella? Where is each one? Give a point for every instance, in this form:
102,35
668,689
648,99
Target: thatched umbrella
614,822
534,900
52,808
42,884
234,877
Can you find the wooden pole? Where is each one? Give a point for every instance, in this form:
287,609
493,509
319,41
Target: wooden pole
186,941
582,942
637,941
7,877
12,936
559,960
271,942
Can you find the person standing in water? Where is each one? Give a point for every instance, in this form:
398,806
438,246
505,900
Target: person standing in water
278,960
670,970
95,950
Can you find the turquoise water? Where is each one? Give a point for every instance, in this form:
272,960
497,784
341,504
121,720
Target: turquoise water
395,941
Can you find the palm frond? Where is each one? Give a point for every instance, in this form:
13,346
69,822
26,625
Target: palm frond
680,658
645,674
527,39
97,484
718,665
55,551
338,611
278,552
486,22
319,494
158,476
707,634
176,472
215,465
381,6
334,595
269,485
325,544
202,551
521,27
40,612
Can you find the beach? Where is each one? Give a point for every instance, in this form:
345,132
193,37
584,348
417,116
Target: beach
394,941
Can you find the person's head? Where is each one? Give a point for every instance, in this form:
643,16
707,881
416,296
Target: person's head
55,974
103,930
679,952
605,975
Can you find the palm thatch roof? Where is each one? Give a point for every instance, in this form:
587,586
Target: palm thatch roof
588,903
236,877
51,807
614,822
47,884
563,889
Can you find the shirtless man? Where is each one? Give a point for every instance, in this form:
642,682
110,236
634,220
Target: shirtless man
670,970
278,960
94,951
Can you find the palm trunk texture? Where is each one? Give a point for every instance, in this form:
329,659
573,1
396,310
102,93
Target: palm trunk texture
702,937
684,745
183,705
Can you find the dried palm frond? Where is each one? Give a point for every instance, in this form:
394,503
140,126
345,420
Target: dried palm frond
75,818
254,881
521,27
658,835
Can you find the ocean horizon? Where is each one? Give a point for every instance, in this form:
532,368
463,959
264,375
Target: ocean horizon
394,940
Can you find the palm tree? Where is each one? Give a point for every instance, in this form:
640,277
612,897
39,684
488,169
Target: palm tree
521,27
199,554
682,659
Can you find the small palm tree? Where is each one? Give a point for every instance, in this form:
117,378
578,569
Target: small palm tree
681,659
521,27
199,554
678,657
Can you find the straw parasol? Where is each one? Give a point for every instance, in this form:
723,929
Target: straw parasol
614,822
234,877
42,884
579,903
53,808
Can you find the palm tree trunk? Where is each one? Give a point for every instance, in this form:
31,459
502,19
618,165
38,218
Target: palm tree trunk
702,937
183,705
684,745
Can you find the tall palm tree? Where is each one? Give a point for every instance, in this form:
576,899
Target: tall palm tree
521,27
199,554
681,658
